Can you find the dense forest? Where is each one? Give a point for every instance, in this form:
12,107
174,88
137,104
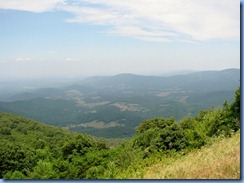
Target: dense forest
32,150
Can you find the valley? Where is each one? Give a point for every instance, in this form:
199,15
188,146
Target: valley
120,90
113,106
203,147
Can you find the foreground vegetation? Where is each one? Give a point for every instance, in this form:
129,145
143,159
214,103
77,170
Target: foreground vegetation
218,160
31,150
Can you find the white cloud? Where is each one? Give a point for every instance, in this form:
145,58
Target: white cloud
149,20
90,15
70,59
23,59
31,5
162,20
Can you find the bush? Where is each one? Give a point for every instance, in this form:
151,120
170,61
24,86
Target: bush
14,175
154,123
160,135
80,145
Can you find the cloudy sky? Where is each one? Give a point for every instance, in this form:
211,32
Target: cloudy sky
69,38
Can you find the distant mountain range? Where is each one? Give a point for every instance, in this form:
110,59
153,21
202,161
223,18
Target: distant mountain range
112,106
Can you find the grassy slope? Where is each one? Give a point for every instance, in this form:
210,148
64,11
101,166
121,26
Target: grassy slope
220,160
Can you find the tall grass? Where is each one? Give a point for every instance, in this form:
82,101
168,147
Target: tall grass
219,160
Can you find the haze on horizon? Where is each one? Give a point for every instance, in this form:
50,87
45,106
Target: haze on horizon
82,38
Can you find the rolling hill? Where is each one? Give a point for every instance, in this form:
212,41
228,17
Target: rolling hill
112,106
206,146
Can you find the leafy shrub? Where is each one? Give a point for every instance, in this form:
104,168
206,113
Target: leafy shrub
43,170
14,175
80,145
154,123
171,137
160,134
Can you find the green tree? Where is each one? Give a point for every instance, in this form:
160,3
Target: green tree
43,170
14,175
79,146
160,134
235,106
195,133
154,123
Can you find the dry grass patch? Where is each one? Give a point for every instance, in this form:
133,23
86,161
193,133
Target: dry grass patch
221,160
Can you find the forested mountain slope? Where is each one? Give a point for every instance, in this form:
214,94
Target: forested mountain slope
112,106
31,150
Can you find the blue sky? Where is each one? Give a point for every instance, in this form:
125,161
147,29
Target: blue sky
71,38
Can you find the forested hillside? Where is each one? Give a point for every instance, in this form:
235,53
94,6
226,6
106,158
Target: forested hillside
113,106
31,150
